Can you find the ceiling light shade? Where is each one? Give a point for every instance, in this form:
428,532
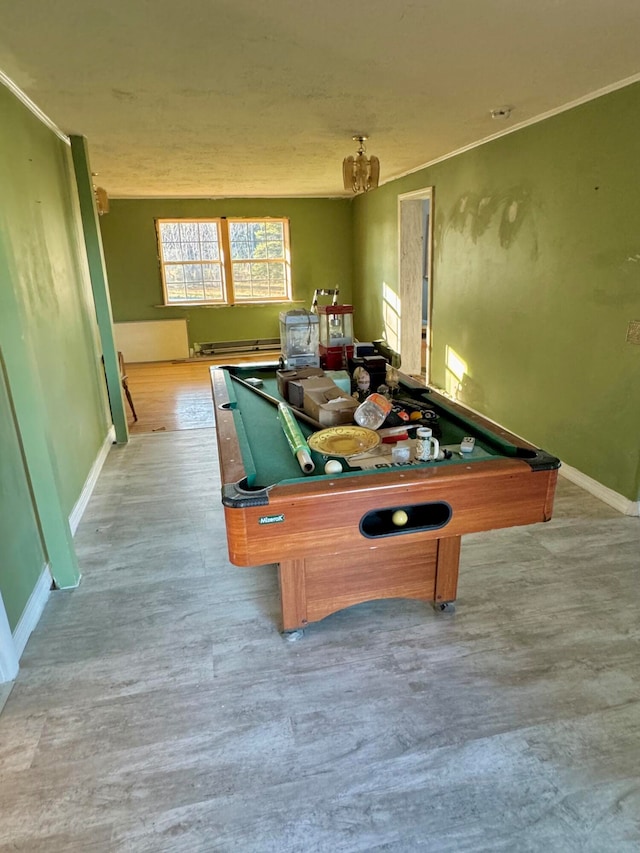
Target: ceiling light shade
102,200
360,173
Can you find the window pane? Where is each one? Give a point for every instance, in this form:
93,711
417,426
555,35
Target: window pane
260,273
171,251
277,279
188,231
173,273
277,272
169,232
248,240
241,272
260,280
258,231
240,249
275,230
209,251
259,249
275,249
213,292
183,247
238,231
175,292
193,272
208,231
190,252
211,272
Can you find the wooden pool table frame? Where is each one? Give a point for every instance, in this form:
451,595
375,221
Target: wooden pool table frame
311,528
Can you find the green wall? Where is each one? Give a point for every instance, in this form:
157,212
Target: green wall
321,252
536,277
47,337
22,556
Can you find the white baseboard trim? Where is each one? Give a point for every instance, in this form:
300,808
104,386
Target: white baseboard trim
8,656
32,612
604,493
90,484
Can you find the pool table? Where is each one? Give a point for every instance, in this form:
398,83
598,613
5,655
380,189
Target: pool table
333,536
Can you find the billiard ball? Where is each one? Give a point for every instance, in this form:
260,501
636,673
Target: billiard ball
333,466
399,518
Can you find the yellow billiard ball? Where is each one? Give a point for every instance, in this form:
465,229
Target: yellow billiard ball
399,518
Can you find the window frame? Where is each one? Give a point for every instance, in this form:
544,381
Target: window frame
226,262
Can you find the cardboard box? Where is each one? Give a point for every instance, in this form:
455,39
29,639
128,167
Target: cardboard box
283,377
326,403
341,378
330,408
317,383
295,393
297,387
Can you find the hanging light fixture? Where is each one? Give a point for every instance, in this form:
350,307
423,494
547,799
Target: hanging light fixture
101,197
102,200
360,173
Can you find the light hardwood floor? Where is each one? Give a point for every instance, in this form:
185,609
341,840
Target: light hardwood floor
158,709
171,396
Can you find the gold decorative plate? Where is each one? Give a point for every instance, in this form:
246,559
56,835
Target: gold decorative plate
343,441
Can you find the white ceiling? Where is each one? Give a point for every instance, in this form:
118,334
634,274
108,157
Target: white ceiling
262,97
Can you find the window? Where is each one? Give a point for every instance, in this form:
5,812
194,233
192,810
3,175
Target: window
224,261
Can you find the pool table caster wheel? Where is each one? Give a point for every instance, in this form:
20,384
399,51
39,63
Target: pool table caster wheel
444,606
293,636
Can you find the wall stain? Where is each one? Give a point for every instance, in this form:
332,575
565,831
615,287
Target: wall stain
472,214
123,95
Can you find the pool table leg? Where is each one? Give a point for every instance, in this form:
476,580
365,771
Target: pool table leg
370,578
448,564
293,595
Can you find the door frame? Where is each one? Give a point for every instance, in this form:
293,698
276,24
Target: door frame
410,277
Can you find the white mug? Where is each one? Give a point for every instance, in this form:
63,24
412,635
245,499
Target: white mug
427,447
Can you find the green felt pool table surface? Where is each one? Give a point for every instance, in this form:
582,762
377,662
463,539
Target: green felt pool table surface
269,460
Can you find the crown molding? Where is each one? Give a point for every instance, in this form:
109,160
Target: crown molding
29,104
592,96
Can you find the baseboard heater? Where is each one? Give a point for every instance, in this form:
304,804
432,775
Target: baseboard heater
222,347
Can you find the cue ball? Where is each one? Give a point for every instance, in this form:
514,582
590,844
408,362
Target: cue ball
333,467
399,518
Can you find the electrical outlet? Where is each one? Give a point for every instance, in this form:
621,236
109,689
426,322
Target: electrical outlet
633,332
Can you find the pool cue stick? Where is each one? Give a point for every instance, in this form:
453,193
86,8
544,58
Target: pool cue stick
301,416
295,438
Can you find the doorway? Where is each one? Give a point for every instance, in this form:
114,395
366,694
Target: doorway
415,215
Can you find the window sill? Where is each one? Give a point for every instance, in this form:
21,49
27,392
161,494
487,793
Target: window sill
230,304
